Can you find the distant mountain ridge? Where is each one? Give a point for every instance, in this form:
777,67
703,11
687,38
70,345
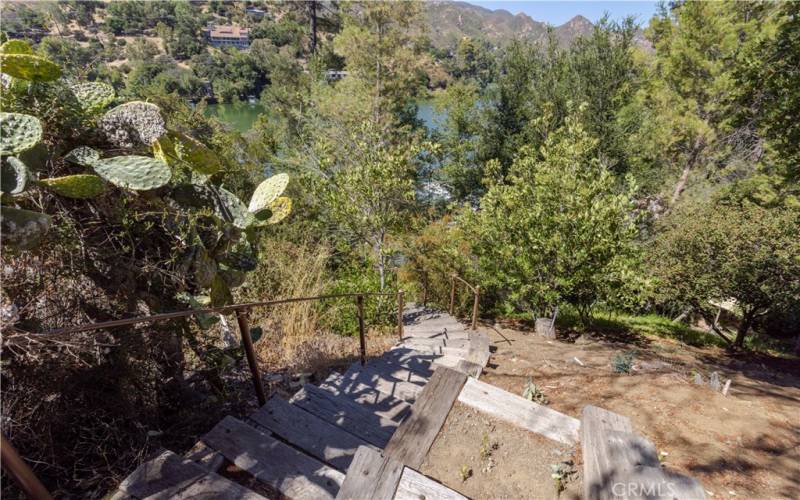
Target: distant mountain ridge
451,20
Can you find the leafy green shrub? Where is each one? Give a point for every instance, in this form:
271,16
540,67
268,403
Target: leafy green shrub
623,362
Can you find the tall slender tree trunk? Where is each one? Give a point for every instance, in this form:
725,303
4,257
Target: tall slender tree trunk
312,7
698,146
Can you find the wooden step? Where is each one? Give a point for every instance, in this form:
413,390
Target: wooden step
348,415
410,359
387,384
388,367
301,429
376,477
374,400
171,476
412,440
296,475
520,412
478,348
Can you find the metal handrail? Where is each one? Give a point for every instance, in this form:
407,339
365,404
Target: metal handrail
476,290
30,484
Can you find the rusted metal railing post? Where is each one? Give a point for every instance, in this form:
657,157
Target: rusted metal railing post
362,341
22,474
452,293
400,306
425,290
475,307
247,342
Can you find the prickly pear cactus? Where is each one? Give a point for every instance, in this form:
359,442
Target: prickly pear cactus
204,267
79,186
139,173
29,67
133,124
232,209
18,132
16,47
93,96
281,208
220,292
233,278
194,196
176,148
14,176
267,192
83,156
22,228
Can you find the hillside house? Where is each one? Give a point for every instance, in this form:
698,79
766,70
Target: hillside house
228,36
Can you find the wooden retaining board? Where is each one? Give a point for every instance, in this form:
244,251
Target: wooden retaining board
478,348
520,412
380,404
318,438
415,486
293,473
371,477
345,413
613,454
412,440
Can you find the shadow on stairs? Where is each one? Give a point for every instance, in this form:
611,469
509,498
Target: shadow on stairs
359,435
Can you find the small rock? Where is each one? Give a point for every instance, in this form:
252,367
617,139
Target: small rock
698,379
714,383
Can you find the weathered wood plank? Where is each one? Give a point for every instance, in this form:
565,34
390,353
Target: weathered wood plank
415,486
162,477
293,473
414,437
311,434
425,342
217,487
371,477
613,455
345,413
654,483
520,412
471,369
393,370
416,361
387,384
377,402
205,456
478,348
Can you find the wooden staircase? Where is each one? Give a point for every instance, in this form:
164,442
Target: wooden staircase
358,435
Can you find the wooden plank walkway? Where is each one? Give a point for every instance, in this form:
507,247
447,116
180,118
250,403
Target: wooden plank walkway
360,435
328,441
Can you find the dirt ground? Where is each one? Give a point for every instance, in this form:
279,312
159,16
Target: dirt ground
743,445
483,457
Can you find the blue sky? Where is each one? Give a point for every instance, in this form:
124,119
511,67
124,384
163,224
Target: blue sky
557,13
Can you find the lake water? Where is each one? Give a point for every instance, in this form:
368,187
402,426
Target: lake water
241,116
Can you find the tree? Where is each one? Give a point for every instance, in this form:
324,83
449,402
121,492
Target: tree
720,250
558,227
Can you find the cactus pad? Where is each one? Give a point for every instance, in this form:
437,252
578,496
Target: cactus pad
16,47
14,176
139,173
22,228
234,278
176,147
133,124
29,67
205,268
281,208
231,209
267,192
93,96
220,292
18,132
84,156
80,186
